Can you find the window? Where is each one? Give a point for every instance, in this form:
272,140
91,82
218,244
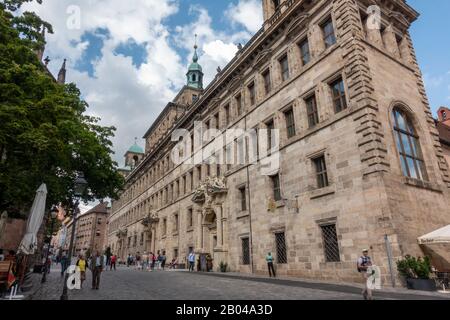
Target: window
276,187
267,81
239,104
245,251
408,146
284,64
276,4
321,172
251,92
164,226
328,33
243,196
175,223
135,241
313,114
190,220
199,174
227,114
175,253
142,239
216,121
280,240
192,144
270,127
194,97
290,123
305,52
191,177
330,243
339,99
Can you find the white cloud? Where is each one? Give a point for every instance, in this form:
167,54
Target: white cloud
247,13
120,93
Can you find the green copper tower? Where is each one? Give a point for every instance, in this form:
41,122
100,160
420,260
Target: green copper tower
195,73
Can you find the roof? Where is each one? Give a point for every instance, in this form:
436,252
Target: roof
444,133
135,149
195,67
100,208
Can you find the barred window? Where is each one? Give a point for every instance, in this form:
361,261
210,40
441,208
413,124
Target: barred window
142,239
330,243
321,172
290,123
313,114
305,52
245,251
284,63
328,33
408,145
339,99
281,248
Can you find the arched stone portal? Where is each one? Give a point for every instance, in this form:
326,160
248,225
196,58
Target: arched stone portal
209,199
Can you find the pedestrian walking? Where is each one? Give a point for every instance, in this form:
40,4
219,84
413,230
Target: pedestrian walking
364,262
82,264
144,263
113,262
163,260
2,256
97,265
191,260
138,261
64,263
158,261
269,259
129,260
153,261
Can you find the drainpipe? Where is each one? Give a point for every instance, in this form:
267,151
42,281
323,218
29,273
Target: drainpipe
249,206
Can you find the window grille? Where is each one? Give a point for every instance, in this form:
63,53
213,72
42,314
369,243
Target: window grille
281,248
330,243
245,251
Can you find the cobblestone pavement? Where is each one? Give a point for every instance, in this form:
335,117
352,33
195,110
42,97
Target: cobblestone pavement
131,284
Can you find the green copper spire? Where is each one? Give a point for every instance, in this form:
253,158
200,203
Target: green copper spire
195,72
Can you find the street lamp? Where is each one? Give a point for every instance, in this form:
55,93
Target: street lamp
52,214
80,186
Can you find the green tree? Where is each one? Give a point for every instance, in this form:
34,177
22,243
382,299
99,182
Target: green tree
45,135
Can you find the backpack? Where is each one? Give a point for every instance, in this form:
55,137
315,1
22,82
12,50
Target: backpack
365,261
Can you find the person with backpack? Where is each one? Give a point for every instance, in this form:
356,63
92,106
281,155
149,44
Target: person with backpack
364,262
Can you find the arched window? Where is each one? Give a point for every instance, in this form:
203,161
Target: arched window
408,146
194,78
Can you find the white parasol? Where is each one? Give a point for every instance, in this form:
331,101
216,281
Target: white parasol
29,242
439,236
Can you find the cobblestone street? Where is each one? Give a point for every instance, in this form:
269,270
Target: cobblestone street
131,284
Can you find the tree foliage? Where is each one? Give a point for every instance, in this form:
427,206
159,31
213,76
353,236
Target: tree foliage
45,136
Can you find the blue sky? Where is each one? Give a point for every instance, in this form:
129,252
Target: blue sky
130,58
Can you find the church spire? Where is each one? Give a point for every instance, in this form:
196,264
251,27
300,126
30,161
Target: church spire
62,73
195,73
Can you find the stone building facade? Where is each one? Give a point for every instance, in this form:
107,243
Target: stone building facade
90,231
443,126
360,164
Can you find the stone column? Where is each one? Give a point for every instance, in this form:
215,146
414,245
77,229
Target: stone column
199,230
218,210
153,239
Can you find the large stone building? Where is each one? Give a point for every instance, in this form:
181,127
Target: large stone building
360,162
90,231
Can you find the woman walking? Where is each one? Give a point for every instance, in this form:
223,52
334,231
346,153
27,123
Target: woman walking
82,263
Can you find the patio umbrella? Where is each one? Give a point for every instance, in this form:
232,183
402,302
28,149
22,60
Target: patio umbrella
437,245
29,242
